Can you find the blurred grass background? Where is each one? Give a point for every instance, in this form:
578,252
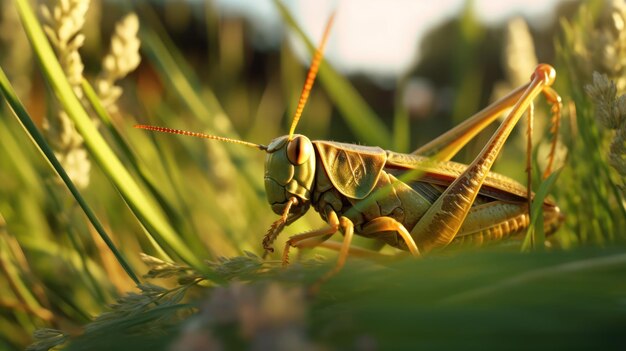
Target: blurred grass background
189,202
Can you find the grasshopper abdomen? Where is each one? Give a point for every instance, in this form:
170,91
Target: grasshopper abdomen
499,210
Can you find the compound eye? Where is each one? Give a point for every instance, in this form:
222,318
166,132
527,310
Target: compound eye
299,150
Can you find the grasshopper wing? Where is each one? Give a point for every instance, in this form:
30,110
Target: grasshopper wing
353,169
444,173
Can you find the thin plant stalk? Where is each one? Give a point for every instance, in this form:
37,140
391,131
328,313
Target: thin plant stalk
38,139
143,207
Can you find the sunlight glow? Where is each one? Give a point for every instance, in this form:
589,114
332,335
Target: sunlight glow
380,37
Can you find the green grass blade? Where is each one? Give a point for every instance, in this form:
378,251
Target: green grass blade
171,67
17,283
401,122
535,229
21,114
361,119
13,147
192,240
142,206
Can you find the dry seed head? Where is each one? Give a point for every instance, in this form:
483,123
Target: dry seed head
65,20
610,111
151,290
164,269
601,45
134,304
76,164
122,58
62,24
46,333
619,111
617,153
47,339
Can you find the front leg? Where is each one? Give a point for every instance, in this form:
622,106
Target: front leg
277,227
320,234
305,240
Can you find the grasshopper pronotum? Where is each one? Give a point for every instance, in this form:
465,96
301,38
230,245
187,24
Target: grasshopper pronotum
416,202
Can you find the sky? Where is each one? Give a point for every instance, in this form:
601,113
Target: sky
380,37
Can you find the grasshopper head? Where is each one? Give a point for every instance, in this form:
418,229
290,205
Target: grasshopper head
289,172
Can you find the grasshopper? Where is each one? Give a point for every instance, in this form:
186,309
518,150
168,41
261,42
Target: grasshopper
417,202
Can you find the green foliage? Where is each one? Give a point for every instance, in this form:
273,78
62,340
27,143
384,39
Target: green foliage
597,215
68,258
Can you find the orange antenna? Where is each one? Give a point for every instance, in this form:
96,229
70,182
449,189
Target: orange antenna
200,135
310,78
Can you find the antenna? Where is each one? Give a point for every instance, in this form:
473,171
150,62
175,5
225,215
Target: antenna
310,78
200,135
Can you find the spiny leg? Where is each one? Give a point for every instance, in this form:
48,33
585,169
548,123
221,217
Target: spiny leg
388,224
378,225
314,237
348,232
307,241
324,233
277,227
353,251
442,221
323,242
347,227
310,243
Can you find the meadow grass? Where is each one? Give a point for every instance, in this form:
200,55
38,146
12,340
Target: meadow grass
71,266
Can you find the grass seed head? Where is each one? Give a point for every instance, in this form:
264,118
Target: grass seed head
123,58
63,23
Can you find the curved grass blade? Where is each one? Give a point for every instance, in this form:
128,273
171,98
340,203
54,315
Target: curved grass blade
535,233
171,66
401,124
142,206
18,285
193,242
38,139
